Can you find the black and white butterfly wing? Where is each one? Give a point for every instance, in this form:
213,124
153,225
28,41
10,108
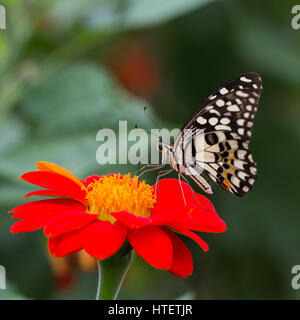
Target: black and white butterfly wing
214,141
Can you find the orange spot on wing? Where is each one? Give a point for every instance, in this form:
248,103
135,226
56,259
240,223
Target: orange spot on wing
226,184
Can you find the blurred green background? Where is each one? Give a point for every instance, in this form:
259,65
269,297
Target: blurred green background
69,68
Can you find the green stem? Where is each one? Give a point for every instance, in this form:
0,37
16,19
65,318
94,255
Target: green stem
112,272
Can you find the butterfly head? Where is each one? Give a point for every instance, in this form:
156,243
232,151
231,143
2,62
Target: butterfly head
160,146
166,151
164,148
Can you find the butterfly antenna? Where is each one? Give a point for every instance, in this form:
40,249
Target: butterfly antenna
150,117
148,132
155,124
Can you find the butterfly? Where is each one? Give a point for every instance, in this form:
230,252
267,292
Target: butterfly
214,142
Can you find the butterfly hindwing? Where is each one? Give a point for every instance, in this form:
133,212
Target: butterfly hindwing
217,135
235,171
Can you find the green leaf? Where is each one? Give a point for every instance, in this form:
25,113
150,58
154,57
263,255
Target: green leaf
133,14
67,12
81,98
258,40
142,13
13,133
76,153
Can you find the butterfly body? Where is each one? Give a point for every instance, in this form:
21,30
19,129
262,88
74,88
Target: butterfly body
214,142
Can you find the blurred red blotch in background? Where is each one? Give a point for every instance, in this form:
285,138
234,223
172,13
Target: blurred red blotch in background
136,67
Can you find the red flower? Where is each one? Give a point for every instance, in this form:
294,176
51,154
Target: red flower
100,213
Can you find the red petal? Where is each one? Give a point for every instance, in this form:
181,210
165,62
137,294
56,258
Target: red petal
29,224
56,182
165,216
195,237
167,187
49,207
41,203
52,167
91,179
130,220
199,221
66,222
198,215
189,217
65,244
103,239
182,259
46,193
153,245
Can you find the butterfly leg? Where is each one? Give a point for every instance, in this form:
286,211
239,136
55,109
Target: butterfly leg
193,193
152,169
146,166
160,175
179,175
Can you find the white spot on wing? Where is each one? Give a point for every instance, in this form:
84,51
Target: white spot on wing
222,127
241,154
251,180
240,122
245,79
234,107
238,164
236,181
220,103
213,121
225,121
201,120
242,175
253,170
214,111
223,91
245,189
242,94
241,131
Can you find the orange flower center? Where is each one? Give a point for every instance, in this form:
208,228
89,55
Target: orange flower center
120,193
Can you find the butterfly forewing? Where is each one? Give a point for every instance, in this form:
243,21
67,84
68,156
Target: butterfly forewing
217,135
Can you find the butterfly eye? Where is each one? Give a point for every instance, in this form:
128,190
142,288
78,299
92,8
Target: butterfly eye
160,146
